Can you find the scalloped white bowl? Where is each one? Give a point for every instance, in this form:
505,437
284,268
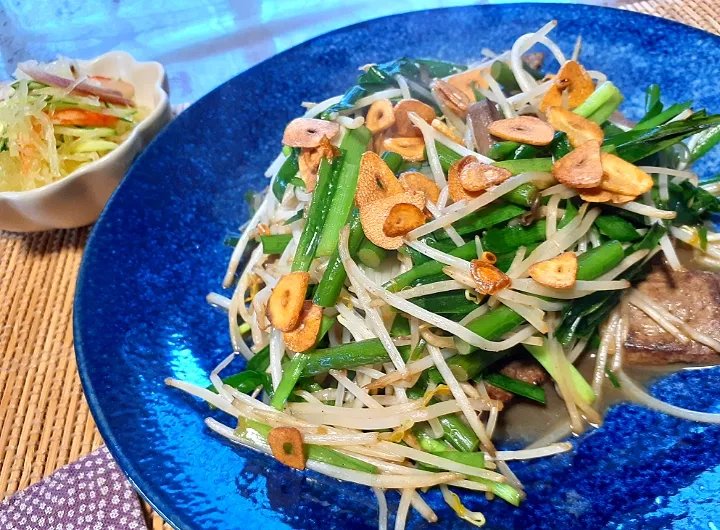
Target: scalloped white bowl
78,199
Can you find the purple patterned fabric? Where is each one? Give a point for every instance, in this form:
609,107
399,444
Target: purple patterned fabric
90,494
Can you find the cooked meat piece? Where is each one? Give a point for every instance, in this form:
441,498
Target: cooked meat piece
694,297
527,370
534,60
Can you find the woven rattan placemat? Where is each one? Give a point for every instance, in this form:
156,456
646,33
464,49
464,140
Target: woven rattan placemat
44,419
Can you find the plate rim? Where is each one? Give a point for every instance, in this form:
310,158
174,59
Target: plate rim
125,463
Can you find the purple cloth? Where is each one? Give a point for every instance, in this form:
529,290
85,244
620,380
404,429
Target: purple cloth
90,494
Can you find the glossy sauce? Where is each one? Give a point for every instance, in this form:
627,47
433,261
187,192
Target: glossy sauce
526,421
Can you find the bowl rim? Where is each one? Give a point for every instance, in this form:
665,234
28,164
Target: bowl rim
122,149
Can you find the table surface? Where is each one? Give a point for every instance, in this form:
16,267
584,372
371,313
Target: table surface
44,419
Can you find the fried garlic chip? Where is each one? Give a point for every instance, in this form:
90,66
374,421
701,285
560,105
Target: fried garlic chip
559,272
416,181
402,219
375,180
524,129
304,336
578,129
287,299
622,177
581,168
488,278
374,215
453,98
309,132
412,149
287,446
380,116
404,127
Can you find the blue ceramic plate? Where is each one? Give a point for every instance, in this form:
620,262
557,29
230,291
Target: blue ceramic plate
141,316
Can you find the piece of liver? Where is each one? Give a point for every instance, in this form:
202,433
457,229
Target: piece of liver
527,370
693,296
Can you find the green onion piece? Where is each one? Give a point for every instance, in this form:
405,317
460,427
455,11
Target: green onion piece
634,145
325,324
353,145
706,141
615,227
503,74
437,69
491,215
523,195
275,244
583,316
570,212
450,302
246,381
599,260
501,489
429,444
491,326
348,100
291,373
601,95
501,240
456,432
467,251
653,105
299,215
502,319
287,171
297,182
231,241
318,211
333,280
346,356
525,165
603,113
612,377
517,387
703,237
259,362
525,151
393,160
320,453
503,150
542,355
370,254
663,117
446,155
479,96
400,327
561,146
469,459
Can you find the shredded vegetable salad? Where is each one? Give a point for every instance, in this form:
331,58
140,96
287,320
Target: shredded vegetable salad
56,118
427,226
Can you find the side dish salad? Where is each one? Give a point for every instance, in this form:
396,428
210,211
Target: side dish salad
56,118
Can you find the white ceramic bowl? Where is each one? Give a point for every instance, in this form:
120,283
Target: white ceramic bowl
78,199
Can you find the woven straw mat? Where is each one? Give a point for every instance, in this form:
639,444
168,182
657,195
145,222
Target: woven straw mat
44,419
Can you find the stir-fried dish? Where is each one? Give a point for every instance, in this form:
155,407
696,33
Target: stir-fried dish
442,239
56,118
